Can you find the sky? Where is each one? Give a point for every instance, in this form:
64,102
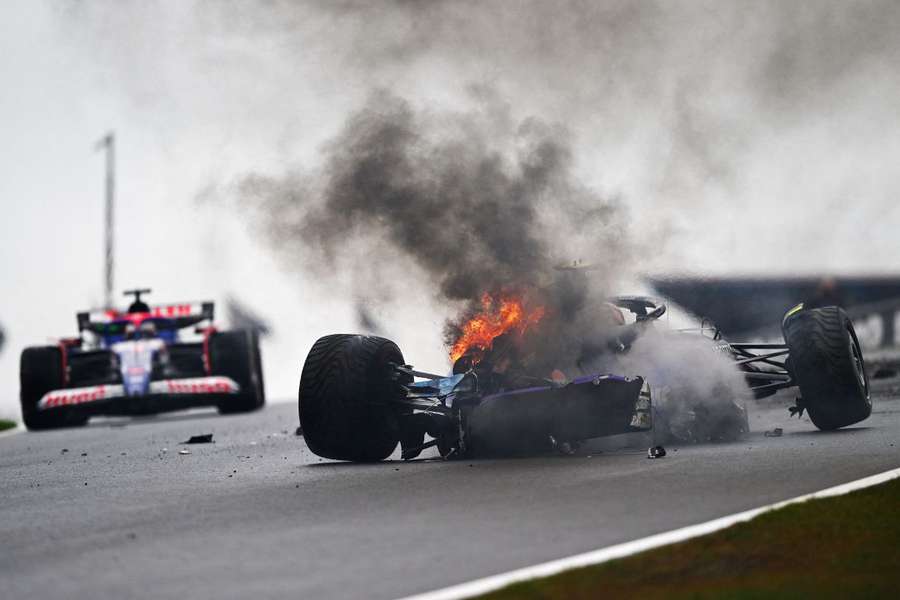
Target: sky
743,138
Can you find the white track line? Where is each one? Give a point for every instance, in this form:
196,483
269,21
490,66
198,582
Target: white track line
495,582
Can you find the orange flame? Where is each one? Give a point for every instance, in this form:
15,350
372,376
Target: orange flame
495,318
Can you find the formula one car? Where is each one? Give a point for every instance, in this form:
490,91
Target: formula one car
136,362
358,399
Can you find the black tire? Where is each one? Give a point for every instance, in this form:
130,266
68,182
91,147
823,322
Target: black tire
346,389
235,354
826,361
41,370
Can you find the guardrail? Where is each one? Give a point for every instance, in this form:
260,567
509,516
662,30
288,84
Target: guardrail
875,322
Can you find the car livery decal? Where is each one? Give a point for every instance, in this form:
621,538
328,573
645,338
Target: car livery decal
97,393
168,311
83,395
793,311
195,385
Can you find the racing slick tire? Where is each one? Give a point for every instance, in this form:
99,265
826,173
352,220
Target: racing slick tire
41,370
235,354
826,360
346,388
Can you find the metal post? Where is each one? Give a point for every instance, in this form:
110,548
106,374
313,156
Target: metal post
109,144
887,328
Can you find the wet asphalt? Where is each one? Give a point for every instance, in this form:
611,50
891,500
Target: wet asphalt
117,510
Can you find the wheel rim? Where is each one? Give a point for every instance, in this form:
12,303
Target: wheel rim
858,369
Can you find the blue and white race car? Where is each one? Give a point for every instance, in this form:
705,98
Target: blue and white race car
145,360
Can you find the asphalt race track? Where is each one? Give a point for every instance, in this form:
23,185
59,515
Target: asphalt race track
114,510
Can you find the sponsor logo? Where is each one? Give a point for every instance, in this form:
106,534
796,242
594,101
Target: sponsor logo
173,310
169,311
199,385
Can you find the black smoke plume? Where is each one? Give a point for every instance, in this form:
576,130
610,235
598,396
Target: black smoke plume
481,203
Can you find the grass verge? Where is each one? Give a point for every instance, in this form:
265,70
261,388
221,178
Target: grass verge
4,424
842,547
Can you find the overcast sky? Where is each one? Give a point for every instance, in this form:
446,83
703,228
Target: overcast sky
743,138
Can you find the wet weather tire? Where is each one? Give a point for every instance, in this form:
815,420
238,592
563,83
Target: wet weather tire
40,371
827,363
345,400
235,354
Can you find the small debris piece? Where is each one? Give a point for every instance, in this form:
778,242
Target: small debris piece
184,452
206,438
84,453
64,450
298,431
656,452
777,432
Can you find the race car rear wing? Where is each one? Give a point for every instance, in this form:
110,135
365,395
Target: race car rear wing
171,316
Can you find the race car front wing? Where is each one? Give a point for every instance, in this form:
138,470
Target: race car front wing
194,386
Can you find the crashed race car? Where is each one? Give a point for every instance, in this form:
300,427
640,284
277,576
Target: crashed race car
140,362
358,398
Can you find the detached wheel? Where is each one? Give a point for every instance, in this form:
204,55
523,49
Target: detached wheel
827,363
235,354
40,371
345,402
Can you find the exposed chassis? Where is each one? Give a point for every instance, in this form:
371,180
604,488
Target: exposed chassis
451,401
547,415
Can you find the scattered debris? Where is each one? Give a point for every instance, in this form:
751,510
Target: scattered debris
206,438
777,432
563,447
656,452
184,452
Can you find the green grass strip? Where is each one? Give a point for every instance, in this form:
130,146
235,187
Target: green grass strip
842,547
4,424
